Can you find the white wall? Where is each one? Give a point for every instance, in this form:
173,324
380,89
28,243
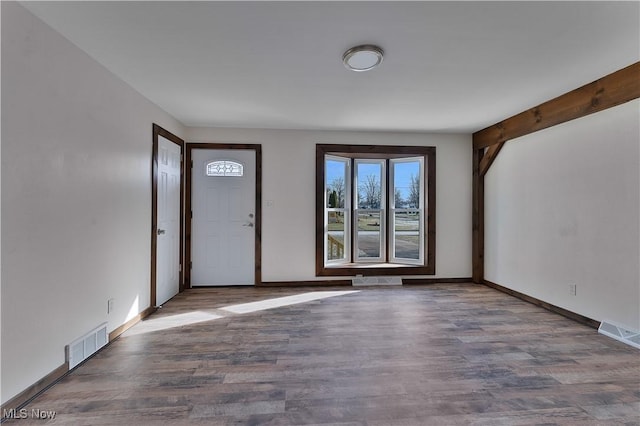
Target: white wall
76,203
76,197
288,194
562,207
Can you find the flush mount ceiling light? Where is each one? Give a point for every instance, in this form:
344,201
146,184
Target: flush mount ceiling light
362,58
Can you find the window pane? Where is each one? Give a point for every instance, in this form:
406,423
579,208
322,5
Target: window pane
407,235
335,182
369,185
406,184
369,234
225,168
335,236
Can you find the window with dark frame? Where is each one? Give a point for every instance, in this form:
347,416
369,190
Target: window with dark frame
375,210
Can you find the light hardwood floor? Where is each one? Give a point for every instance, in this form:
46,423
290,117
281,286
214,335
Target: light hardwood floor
455,354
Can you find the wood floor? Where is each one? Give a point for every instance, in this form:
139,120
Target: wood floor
425,355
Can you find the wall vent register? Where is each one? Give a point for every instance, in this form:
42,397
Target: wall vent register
85,346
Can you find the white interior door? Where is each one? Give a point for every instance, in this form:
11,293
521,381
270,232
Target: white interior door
168,238
223,217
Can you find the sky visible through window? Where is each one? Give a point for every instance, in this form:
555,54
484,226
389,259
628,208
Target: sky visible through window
403,172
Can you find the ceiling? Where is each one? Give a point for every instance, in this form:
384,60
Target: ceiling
448,66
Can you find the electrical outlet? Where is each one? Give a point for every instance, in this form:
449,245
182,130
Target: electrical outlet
110,304
573,289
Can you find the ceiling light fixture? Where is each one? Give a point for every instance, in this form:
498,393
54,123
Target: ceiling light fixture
363,58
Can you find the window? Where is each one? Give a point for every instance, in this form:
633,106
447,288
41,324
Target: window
225,168
375,210
337,213
369,210
406,210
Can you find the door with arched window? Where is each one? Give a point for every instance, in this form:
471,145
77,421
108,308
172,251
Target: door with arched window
223,217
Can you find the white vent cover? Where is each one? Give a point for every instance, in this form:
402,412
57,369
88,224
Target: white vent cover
622,334
357,281
85,346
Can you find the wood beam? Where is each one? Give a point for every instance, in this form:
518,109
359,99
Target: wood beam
477,247
614,89
489,156
609,91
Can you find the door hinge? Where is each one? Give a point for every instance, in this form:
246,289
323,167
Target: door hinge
192,164
190,265
191,214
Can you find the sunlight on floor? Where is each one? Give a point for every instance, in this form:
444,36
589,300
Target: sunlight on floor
162,323
283,301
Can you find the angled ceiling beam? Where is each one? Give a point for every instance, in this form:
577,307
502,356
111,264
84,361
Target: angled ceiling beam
609,91
489,156
614,89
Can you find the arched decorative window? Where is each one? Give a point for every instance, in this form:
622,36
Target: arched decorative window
225,168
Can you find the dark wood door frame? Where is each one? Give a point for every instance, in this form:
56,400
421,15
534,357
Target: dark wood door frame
159,131
258,201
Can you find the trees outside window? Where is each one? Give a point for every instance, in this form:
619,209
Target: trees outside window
378,207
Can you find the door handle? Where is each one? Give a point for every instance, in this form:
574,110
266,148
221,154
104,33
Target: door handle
161,231
249,224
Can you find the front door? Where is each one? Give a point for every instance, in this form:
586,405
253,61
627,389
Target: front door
168,217
223,207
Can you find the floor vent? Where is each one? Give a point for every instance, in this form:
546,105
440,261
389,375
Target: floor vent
357,281
85,346
622,334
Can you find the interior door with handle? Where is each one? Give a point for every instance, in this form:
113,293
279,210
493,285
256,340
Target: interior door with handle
168,220
223,207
